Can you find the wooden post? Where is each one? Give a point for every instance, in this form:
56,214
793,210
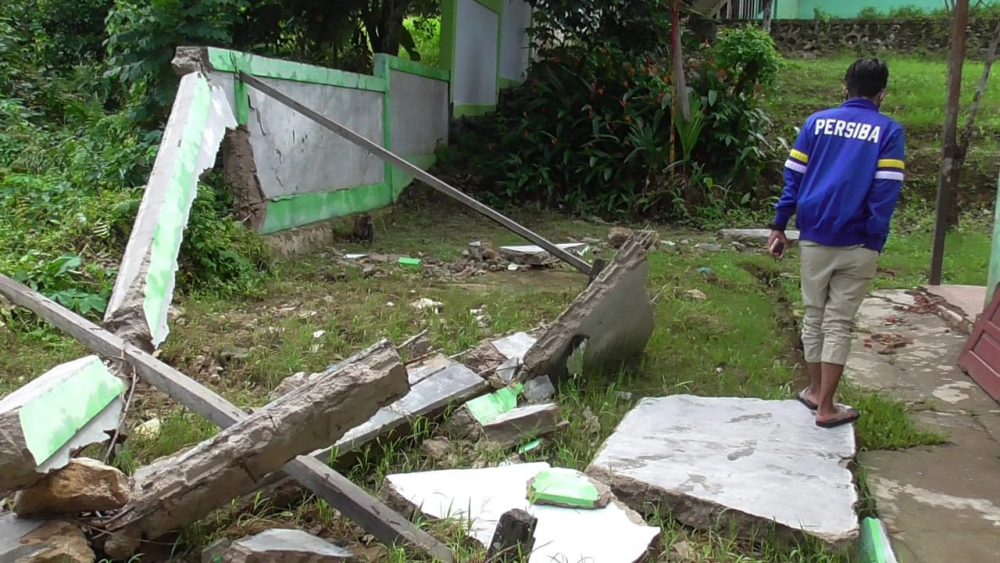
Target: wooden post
945,197
352,501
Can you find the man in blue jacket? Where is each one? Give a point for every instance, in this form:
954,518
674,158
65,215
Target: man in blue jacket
842,181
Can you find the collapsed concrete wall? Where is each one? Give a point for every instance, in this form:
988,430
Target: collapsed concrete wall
144,288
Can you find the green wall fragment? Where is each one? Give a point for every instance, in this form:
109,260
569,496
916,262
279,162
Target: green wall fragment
488,408
50,420
225,60
875,545
296,211
564,487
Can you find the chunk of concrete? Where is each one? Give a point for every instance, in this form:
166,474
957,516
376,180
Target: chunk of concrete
747,465
531,255
29,540
523,423
613,315
756,237
180,489
569,488
515,346
68,407
539,389
514,538
84,485
144,288
480,497
287,546
425,368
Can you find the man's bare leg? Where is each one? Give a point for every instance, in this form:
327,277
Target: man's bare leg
815,381
828,410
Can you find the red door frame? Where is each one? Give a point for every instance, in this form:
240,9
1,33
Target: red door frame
981,356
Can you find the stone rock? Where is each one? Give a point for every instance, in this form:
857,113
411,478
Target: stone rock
514,537
737,464
618,236
234,355
41,541
523,423
148,430
539,389
462,425
708,247
216,551
425,304
84,485
696,294
287,546
436,449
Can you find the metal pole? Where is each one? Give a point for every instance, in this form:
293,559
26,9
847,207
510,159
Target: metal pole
944,196
419,174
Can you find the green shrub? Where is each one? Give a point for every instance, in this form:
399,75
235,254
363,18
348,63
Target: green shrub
750,55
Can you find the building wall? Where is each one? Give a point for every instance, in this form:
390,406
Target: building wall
515,45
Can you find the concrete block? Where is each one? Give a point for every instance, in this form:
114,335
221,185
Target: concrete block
743,464
287,546
42,541
68,407
480,497
200,116
522,424
85,485
539,389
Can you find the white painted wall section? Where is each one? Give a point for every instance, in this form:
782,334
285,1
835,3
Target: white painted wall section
516,46
475,74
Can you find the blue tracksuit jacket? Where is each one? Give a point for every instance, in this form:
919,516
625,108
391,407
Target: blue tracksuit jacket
844,177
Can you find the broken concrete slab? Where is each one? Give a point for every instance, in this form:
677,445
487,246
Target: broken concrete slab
613,315
522,424
200,116
487,408
30,540
756,237
287,546
480,497
514,538
745,465
568,488
427,367
180,489
531,255
70,406
431,395
84,485
515,346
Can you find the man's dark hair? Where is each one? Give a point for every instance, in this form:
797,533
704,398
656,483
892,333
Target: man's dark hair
866,78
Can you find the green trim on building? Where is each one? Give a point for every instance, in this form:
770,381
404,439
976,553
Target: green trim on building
473,110
51,420
241,95
225,60
509,83
414,68
383,69
300,210
449,34
180,193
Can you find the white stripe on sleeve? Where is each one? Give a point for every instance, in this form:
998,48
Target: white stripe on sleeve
889,175
797,167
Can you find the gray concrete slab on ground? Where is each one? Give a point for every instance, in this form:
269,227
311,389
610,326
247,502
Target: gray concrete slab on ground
969,300
749,464
939,503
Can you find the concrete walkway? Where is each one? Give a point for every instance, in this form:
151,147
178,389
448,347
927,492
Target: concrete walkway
939,503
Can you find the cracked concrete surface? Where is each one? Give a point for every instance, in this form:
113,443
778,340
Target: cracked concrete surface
940,503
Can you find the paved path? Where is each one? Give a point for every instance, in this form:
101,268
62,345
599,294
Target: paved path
941,503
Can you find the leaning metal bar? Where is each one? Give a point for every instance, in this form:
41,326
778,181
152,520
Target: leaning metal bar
419,174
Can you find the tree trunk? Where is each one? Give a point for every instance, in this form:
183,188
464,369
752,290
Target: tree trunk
385,26
768,8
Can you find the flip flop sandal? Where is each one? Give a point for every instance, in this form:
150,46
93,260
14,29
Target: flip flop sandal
809,404
852,415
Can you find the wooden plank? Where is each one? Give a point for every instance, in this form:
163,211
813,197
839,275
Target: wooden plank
418,173
352,501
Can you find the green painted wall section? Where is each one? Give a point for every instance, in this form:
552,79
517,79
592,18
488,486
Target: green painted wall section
50,420
180,193
806,9
296,211
233,61
401,179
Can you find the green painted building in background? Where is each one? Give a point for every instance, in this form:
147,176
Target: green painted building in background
808,9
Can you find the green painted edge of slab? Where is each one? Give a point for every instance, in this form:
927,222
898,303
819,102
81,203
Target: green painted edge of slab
875,544
488,408
559,487
300,210
49,421
473,110
415,68
383,68
179,197
226,60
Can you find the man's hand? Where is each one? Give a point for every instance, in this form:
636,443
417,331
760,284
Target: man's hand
777,244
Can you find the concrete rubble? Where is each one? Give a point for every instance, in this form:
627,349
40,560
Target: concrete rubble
480,497
285,545
613,316
182,488
33,540
522,424
85,485
137,310
68,407
746,465
514,537
531,255
568,488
